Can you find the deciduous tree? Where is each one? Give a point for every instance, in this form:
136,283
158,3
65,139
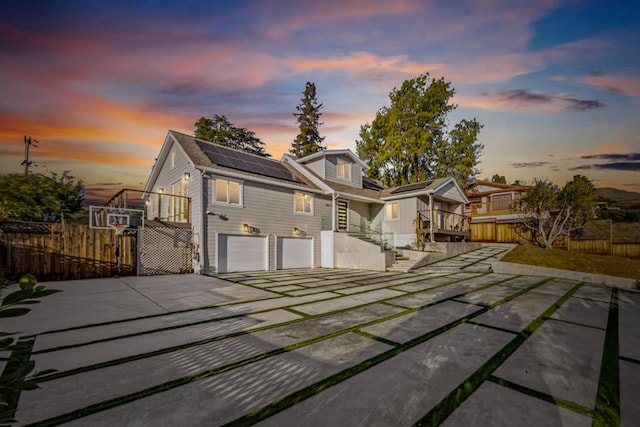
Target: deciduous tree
409,141
550,212
37,197
221,131
308,140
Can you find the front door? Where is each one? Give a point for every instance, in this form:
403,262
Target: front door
343,215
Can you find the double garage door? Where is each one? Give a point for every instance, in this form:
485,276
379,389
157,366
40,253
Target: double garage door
251,253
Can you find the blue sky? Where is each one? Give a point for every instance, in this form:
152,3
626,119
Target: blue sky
555,83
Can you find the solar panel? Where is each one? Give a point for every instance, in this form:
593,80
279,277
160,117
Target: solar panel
411,187
238,160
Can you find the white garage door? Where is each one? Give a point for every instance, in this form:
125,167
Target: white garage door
242,253
294,252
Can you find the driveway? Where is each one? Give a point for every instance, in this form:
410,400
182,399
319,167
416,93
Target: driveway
334,347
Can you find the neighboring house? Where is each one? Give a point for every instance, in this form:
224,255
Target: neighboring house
252,213
489,210
490,201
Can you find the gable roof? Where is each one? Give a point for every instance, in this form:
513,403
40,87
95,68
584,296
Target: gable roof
472,191
216,158
419,188
324,153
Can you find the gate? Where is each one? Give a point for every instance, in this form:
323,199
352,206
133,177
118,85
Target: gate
164,251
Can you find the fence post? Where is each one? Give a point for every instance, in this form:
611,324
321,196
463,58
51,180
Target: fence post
610,237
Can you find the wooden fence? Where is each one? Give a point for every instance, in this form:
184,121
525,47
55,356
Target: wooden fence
497,232
64,252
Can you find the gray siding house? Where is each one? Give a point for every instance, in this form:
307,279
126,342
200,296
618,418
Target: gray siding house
251,213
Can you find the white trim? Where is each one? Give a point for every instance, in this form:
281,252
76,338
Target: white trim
214,200
348,167
169,142
218,172
303,170
325,153
311,207
398,210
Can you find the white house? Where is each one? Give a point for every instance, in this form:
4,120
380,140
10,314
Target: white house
252,213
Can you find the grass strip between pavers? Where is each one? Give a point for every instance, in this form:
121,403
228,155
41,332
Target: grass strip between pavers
407,310
442,410
184,325
19,357
607,413
627,359
286,402
543,396
297,397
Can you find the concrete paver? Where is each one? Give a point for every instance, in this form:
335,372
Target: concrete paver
77,357
629,392
342,303
222,398
560,359
410,326
352,318
584,311
628,324
401,390
494,405
516,314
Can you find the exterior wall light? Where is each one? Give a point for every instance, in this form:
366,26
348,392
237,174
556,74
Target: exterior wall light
246,228
298,232
186,177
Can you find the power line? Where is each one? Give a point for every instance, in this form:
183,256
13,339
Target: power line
28,142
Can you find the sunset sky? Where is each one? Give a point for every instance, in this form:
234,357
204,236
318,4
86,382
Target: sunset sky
98,83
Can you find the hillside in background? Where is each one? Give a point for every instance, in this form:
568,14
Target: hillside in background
620,198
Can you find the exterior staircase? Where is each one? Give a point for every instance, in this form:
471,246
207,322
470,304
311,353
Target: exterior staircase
402,264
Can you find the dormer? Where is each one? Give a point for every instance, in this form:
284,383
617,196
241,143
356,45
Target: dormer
340,166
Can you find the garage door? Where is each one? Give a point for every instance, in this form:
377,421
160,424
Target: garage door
242,253
294,252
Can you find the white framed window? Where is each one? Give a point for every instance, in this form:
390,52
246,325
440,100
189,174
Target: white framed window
303,203
391,211
227,192
344,169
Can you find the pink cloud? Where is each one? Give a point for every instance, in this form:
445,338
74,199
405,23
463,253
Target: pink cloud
622,84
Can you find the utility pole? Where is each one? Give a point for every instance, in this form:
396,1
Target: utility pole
28,142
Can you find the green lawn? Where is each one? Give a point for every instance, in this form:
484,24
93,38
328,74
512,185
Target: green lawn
575,261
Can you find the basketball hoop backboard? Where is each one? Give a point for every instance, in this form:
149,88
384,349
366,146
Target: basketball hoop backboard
108,218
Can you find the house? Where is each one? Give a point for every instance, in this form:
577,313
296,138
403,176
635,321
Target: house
252,213
491,200
489,211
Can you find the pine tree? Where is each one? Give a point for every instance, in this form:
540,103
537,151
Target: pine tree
308,140
221,131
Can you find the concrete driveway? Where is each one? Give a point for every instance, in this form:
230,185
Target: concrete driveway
334,347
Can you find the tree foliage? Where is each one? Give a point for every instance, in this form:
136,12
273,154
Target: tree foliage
410,140
221,131
550,212
308,140
37,197
499,179
19,374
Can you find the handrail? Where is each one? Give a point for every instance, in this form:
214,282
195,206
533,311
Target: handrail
376,236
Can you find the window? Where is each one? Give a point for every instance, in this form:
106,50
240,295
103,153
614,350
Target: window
303,203
344,169
392,210
176,202
228,192
173,159
501,202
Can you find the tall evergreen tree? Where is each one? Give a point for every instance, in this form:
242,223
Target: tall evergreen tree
409,141
221,131
308,140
